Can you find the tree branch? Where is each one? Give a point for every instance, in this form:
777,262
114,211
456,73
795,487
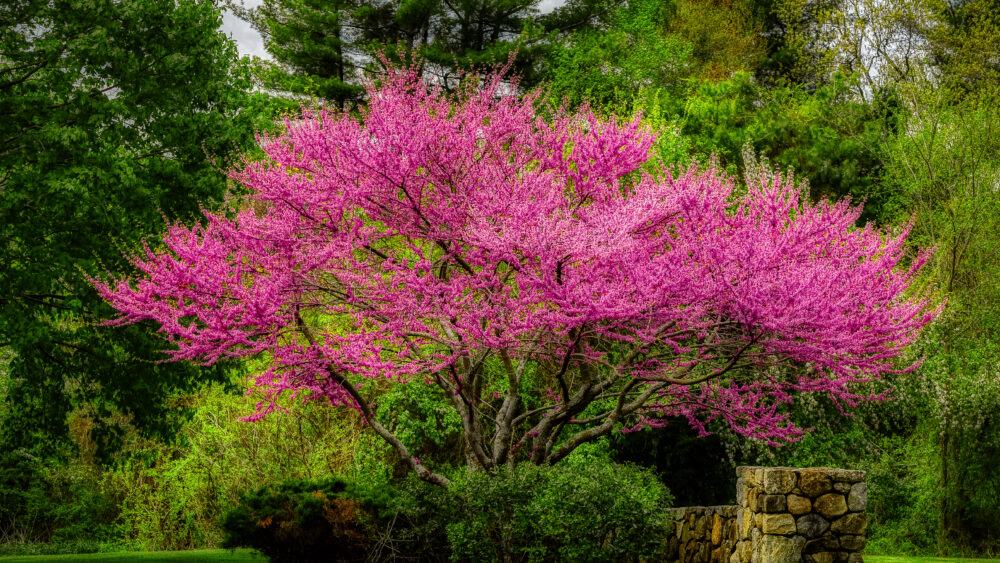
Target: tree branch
369,416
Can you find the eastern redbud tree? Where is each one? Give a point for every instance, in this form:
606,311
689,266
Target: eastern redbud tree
527,265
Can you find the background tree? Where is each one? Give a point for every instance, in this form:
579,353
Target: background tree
796,49
513,262
725,36
321,47
964,47
611,67
110,115
312,45
883,44
945,171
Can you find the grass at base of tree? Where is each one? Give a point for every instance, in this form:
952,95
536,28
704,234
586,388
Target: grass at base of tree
190,556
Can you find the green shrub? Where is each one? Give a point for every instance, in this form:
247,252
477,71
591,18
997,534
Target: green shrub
24,499
61,507
423,419
417,520
568,512
171,495
324,520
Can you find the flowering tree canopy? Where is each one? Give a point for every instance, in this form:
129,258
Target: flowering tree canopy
470,243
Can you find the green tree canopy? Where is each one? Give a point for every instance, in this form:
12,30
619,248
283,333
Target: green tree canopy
309,40
109,114
320,47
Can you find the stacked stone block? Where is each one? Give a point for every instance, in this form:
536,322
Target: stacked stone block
782,515
703,534
812,515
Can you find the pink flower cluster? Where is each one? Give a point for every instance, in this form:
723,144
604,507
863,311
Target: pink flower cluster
460,240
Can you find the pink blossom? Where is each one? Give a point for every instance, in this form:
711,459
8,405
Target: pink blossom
435,234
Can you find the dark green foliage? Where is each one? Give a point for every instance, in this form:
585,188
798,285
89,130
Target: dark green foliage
423,419
64,506
418,519
566,512
795,52
321,47
592,511
455,36
324,520
308,40
696,469
110,115
24,505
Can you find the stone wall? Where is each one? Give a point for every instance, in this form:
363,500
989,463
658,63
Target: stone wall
782,515
703,534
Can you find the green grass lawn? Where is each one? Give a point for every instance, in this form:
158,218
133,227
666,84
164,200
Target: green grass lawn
212,555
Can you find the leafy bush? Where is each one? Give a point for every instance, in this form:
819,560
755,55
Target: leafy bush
423,419
171,496
593,510
63,504
167,502
24,502
566,512
301,520
418,520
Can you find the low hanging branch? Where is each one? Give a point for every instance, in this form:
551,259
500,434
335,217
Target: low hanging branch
467,242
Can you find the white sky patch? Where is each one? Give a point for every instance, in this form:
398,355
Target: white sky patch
247,40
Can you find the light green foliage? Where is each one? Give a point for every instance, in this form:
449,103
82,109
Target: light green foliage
904,499
171,496
672,150
964,46
945,169
597,452
606,66
820,136
724,36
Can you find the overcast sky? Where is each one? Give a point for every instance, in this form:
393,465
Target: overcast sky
250,42
247,39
